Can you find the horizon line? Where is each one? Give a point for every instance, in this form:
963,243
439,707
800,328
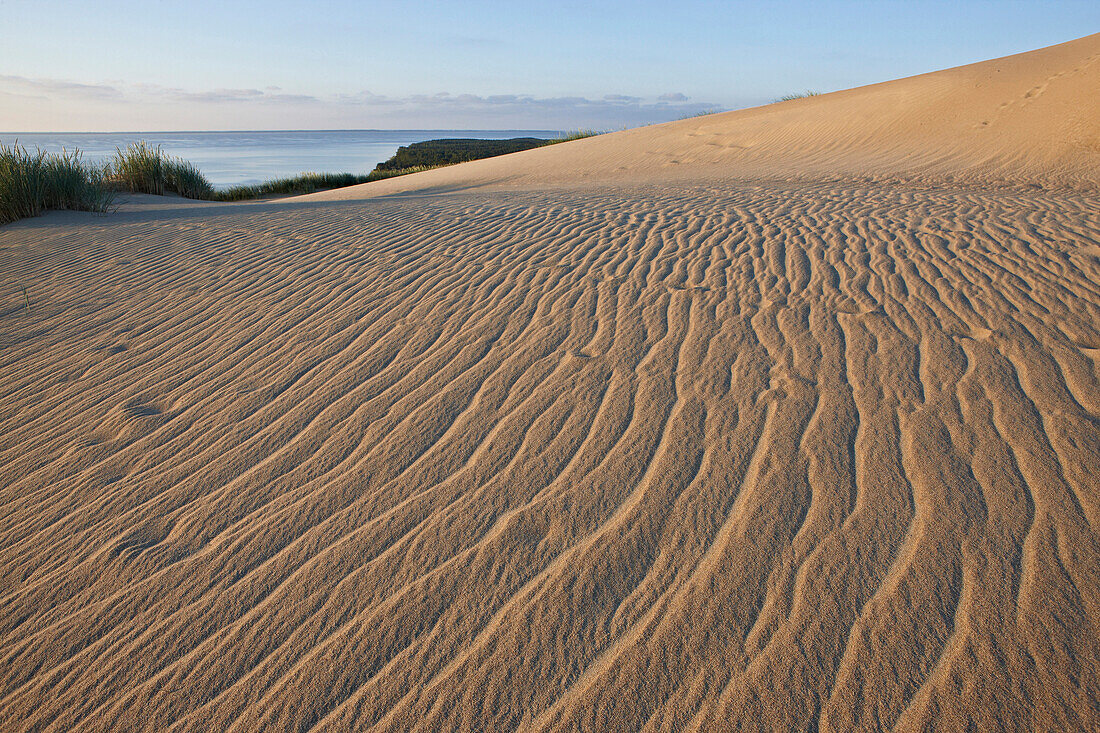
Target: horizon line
303,129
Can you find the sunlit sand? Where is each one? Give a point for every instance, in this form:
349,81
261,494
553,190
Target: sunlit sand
777,419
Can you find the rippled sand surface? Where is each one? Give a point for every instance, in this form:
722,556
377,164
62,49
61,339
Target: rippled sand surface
733,451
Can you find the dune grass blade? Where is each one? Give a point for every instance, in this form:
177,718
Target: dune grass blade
378,175
574,135
300,184
142,168
31,183
798,95
312,182
186,180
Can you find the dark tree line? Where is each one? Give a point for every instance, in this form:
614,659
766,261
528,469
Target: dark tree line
457,150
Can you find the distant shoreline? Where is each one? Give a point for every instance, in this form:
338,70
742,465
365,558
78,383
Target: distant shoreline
250,157
318,129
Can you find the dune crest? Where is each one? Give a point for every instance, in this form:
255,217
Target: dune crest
1031,118
794,434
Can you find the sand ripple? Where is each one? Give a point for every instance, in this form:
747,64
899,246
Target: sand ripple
767,456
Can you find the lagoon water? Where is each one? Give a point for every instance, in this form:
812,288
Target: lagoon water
235,158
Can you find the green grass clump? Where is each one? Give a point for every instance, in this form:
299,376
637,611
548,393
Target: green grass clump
31,183
144,169
798,95
574,135
302,183
378,175
185,179
312,182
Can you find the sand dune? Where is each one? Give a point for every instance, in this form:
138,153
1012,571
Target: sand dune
1032,119
784,419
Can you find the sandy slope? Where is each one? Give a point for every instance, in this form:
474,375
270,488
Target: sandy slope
1033,118
684,446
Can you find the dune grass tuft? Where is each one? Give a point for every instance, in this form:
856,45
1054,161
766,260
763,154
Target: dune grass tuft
378,175
798,95
573,135
310,183
31,183
303,183
145,169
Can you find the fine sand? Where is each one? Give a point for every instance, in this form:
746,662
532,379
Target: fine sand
779,419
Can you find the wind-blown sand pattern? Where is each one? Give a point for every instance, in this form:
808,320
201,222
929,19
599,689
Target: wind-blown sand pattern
719,451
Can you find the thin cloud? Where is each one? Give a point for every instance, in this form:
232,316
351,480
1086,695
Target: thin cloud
219,96
61,90
255,106
49,88
215,96
517,110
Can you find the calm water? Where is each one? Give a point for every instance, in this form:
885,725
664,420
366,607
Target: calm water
231,158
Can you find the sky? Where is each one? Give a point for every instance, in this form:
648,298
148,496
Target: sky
153,65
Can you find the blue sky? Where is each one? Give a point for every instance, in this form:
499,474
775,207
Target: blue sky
156,65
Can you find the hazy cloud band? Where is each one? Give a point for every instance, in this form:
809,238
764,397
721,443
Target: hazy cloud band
50,104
